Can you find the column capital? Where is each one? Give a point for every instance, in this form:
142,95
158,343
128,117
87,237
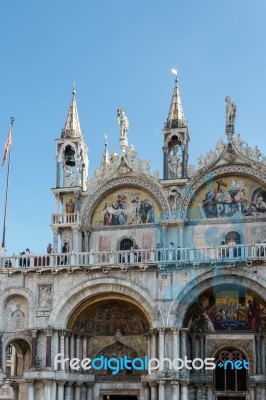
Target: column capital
175,331
62,332
48,332
184,383
47,382
61,383
153,383
33,332
89,384
30,381
161,330
175,383
184,331
78,384
162,383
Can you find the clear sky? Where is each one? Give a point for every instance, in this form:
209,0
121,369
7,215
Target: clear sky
120,53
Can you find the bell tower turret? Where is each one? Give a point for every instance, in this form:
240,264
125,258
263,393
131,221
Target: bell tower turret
176,138
71,180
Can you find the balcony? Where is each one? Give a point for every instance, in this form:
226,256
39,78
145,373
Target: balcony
177,258
65,219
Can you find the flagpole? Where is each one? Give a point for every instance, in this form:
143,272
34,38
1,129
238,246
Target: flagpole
7,187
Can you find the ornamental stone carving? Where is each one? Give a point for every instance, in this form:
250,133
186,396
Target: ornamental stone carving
45,297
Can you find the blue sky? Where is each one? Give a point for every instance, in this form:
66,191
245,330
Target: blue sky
120,53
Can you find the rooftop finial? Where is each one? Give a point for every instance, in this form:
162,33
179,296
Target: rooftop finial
74,90
106,143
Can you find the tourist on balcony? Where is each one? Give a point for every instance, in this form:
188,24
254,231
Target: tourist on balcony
172,252
65,249
49,248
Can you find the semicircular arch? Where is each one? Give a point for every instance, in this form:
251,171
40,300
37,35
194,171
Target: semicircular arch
181,304
102,287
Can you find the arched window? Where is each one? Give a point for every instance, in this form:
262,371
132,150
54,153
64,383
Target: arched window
233,237
126,244
227,377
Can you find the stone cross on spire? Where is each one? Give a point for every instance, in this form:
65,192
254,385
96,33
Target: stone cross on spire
72,125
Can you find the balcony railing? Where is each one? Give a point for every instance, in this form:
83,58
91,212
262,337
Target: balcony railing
178,257
65,219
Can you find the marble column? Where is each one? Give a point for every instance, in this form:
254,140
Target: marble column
184,332
33,347
263,392
209,393
161,389
78,355
263,354
15,387
62,348
176,343
58,170
154,344
252,392
84,347
89,391
146,391
48,384
77,390
184,391
75,239
175,390
60,390
72,346
258,353
1,365
202,350
67,349
153,386
161,344
199,392
48,360
30,389
55,240
69,391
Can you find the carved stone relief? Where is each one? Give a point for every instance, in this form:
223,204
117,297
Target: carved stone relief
45,297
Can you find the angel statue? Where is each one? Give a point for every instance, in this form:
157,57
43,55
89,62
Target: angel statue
230,111
123,122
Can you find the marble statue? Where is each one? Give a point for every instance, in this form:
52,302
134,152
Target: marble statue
230,111
173,163
123,122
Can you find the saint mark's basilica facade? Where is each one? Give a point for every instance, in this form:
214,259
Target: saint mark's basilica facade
169,267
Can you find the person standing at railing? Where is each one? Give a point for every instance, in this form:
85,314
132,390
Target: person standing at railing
65,249
172,252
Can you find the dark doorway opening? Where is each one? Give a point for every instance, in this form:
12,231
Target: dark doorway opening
120,397
230,398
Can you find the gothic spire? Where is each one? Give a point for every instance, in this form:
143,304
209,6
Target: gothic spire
106,159
176,117
72,125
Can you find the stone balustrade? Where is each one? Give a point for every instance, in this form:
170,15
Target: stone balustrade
163,257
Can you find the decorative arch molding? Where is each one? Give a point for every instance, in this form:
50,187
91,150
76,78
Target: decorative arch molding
196,184
96,197
18,291
199,285
65,307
